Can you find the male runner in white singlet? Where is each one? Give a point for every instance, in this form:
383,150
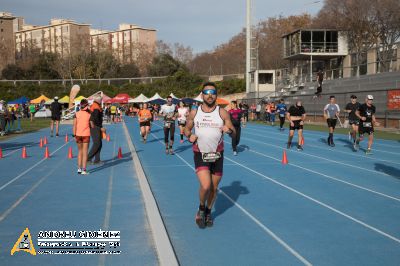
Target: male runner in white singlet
209,122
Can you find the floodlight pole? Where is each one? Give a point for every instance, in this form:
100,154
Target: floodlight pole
248,43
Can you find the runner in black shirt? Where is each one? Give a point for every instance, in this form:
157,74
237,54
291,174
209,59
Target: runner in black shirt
296,116
351,109
366,114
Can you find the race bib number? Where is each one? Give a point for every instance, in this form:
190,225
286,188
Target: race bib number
210,157
167,124
282,115
367,124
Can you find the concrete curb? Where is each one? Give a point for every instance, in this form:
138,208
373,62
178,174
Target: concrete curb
165,251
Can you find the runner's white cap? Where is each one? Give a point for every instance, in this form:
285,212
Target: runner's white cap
370,97
56,98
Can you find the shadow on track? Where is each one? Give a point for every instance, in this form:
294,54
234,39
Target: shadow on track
233,191
395,172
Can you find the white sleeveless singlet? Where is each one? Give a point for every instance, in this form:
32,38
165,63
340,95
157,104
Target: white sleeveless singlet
208,129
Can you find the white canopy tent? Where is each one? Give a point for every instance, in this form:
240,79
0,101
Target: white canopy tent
198,98
156,97
173,96
140,99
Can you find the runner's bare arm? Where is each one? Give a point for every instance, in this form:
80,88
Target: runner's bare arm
228,126
74,127
189,123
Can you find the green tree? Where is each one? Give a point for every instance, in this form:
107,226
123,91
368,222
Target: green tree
164,65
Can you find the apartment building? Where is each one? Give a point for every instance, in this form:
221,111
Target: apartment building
125,43
62,36
7,25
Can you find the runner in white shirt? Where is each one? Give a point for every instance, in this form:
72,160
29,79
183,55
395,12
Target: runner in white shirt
209,122
183,112
169,112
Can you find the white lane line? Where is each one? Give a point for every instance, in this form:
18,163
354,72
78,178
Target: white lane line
329,177
319,157
335,150
16,203
163,245
254,219
319,203
106,222
30,168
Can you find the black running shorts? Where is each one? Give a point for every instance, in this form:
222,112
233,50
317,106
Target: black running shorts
144,124
296,125
215,168
331,122
354,122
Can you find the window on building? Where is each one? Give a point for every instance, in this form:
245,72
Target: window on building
265,78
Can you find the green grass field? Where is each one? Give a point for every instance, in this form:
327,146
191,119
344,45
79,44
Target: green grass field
28,126
380,134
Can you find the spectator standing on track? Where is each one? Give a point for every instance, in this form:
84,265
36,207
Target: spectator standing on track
331,113
366,114
81,131
296,117
55,108
281,108
236,115
253,112
210,122
96,131
354,121
267,111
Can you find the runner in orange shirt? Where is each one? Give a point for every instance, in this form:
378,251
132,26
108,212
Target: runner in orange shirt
144,122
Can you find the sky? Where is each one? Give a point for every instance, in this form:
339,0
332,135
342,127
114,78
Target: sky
200,24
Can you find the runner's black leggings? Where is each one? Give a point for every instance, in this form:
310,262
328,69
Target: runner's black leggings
282,121
236,138
169,131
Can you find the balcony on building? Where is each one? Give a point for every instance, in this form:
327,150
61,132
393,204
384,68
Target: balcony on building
321,44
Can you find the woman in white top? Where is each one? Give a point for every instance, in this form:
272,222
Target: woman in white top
183,112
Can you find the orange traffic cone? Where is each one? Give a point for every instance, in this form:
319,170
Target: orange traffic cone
66,138
1,153
284,158
46,153
45,141
302,141
108,137
41,143
24,155
70,156
119,153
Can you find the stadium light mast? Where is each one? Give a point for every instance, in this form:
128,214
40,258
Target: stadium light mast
248,44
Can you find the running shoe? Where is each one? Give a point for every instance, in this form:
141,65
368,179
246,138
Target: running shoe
329,141
209,220
299,148
57,135
167,151
368,152
79,171
144,141
181,141
332,144
51,135
200,219
235,153
350,135
84,172
171,151
355,146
